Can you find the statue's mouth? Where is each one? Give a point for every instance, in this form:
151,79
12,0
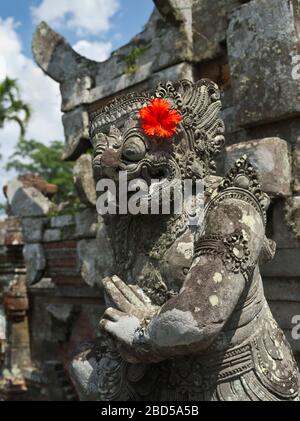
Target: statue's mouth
154,175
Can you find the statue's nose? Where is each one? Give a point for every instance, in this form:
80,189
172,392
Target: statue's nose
110,159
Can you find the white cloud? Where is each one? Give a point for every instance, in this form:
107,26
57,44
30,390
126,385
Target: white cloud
98,51
82,16
39,91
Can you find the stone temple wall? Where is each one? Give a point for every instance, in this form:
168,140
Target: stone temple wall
252,50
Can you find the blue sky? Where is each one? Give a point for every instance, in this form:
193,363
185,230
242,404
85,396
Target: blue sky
94,28
125,23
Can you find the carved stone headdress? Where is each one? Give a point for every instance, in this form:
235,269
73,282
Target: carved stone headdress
198,104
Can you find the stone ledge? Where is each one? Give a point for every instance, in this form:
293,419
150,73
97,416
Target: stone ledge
270,156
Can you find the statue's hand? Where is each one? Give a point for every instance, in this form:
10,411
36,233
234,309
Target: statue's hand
131,310
120,326
129,299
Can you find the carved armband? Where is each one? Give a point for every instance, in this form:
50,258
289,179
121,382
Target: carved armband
233,250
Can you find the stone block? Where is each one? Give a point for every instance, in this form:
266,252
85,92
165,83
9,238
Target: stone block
86,223
76,126
55,56
11,188
84,180
2,233
270,156
76,91
210,21
61,221
284,311
262,41
33,228
282,289
35,262
286,264
61,312
282,233
54,234
292,215
95,257
295,344
28,201
173,73
296,167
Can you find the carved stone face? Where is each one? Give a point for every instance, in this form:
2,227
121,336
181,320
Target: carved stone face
121,144
126,147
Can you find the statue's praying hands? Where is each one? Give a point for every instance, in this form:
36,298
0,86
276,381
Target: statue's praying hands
130,310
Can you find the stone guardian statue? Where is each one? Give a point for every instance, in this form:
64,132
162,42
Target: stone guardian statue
186,315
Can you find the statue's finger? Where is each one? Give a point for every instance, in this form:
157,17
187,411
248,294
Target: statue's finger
113,314
116,297
127,292
140,294
109,327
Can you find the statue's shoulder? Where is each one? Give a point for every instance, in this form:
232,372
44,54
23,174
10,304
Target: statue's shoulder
240,183
236,203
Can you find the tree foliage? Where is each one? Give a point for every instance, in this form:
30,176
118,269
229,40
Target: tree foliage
31,156
34,157
12,108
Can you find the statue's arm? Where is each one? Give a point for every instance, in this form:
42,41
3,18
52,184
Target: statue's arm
225,255
226,252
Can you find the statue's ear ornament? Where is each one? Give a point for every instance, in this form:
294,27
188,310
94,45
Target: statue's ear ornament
159,120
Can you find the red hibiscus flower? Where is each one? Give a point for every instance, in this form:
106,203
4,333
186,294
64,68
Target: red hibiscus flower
158,119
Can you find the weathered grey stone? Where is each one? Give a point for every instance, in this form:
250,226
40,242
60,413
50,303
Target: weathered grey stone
286,263
35,262
144,79
76,125
178,12
295,343
61,312
270,156
76,91
292,215
11,189
83,369
282,233
55,56
84,180
296,167
284,312
210,20
173,73
2,233
174,10
61,221
95,257
28,201
86,223
32,229
160,45
281,289
261,44
54,234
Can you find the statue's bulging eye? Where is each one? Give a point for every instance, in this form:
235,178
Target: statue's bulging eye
134,149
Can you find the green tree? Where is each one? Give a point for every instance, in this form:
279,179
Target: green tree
34,157
12,108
